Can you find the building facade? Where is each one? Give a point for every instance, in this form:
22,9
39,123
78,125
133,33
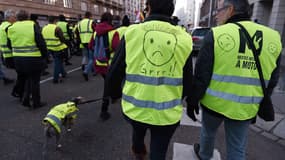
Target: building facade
205,19
133,8
72,9
190,13
185,11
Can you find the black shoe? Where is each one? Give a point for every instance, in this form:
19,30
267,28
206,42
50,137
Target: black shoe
64,75
16,95
55,81
42,104
105,115
85,76
26,103
7,81
196,147
68,63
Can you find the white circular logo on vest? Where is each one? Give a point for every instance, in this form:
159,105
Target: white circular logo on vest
226,42
159,47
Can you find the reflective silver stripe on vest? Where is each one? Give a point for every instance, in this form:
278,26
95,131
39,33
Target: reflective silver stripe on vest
24,51
26,47
239,80
151,104
6,52
154,80
55,119
235,98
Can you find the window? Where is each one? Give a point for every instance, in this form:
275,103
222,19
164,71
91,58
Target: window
83,6
96,9
67,3
104,9
51,2
112,12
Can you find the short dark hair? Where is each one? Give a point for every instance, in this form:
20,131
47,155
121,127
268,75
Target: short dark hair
164,7
61,17
51,19
22,15
88,14
240,6
1,16
107,17
125,21
33,17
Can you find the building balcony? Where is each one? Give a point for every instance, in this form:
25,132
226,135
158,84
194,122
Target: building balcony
100,1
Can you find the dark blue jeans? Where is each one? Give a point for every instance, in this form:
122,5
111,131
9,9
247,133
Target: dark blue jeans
160,138
236,136
58,64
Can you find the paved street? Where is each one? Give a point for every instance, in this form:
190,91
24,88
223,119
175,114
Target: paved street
22,136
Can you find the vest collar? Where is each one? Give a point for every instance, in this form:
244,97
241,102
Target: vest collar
238,17
158,17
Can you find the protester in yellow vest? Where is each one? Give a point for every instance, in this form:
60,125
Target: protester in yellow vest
29,50
226,81
56,45
84,34
10,18
153,61
67,33
6,53
125,24
105,41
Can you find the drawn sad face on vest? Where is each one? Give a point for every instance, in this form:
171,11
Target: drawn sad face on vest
159,47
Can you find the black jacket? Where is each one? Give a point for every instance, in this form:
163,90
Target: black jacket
32,64
117,71
204,68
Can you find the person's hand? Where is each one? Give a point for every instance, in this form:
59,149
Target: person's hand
191,110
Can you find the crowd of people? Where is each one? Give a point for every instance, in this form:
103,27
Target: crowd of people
149,67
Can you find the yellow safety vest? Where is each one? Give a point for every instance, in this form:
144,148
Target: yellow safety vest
53,43
62,25
57,114
85,30
6,52
235,90
22,36
121,31
156,53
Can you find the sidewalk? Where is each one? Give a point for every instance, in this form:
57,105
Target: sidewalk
274,130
